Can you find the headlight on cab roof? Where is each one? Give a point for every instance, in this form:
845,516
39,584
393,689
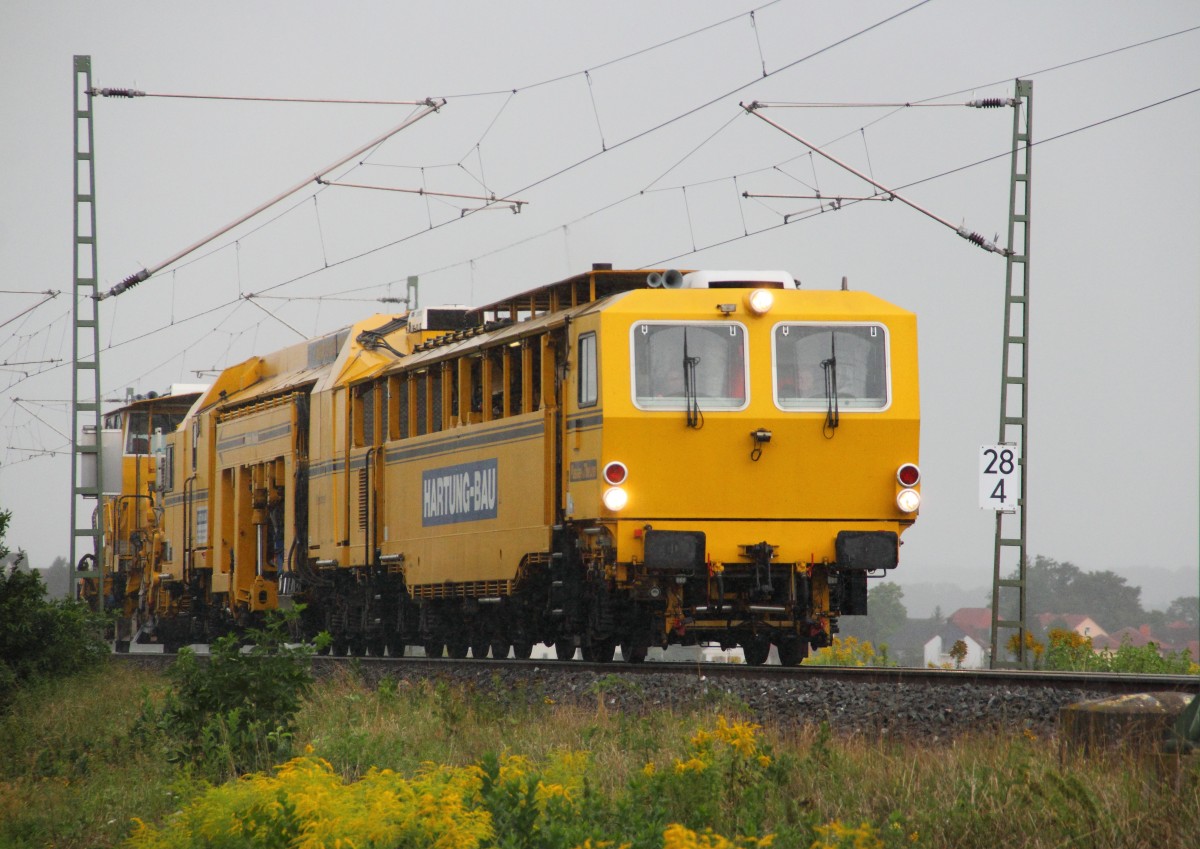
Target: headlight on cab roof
760,301
908,500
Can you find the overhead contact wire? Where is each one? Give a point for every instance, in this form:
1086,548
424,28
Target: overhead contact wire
727,94
795,217
635,137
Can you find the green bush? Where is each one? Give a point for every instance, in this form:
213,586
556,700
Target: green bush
235,712
40,638
850,651
1069,651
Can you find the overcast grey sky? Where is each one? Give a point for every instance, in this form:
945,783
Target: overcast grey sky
618,123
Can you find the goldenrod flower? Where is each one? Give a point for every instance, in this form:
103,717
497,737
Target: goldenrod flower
692,764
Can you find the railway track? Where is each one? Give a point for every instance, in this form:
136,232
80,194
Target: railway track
376,668
909,703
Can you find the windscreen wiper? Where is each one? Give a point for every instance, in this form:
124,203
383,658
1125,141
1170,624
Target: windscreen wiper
691,393
829,366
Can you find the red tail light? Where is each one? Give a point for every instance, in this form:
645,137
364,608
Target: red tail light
908,475
615,473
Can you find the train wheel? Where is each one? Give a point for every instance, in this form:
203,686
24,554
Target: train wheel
522,650
792,650
456,650
500,649
633,654
395,646
598,652
756,650
479,650
376,645
341,646
564,650
433,648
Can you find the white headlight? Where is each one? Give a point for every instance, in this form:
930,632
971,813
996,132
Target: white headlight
908,500
615,498
759,301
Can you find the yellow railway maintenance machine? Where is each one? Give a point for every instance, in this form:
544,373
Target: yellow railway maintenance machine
130,517
622,458
633,459
263,450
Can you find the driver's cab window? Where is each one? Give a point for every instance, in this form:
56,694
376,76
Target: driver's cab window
675,363
814,363
589,387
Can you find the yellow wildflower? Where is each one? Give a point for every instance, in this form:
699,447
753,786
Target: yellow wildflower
677,836
545,793
692,764
740,736
835,835
514,767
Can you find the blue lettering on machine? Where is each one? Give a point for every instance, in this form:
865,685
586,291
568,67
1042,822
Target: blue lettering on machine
462,493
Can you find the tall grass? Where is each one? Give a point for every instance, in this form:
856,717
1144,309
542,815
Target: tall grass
76,767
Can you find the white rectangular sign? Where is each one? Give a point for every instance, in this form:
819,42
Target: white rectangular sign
999,477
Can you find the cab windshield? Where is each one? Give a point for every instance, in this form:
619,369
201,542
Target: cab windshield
817,363
681,364
141,426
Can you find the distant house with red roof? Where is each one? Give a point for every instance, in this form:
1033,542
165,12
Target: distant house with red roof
972,626
1176,639
939,646
1181,635
1136,637
975,621
1084,626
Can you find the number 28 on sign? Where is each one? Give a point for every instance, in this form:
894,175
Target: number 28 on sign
999,484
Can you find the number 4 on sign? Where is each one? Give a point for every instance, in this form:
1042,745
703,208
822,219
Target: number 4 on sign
999,486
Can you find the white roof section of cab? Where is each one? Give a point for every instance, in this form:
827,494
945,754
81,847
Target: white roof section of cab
188,388
419,319
737,279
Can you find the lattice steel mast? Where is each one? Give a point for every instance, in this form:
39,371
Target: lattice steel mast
1014,383
85,366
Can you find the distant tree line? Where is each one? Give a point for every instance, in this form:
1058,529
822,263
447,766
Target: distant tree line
1061,587
1052,587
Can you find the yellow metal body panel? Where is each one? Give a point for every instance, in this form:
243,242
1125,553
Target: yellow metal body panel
234,380
794,495
467,504
327,531
187,512
255,462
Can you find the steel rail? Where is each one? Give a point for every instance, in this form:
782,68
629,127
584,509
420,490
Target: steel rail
1116,683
